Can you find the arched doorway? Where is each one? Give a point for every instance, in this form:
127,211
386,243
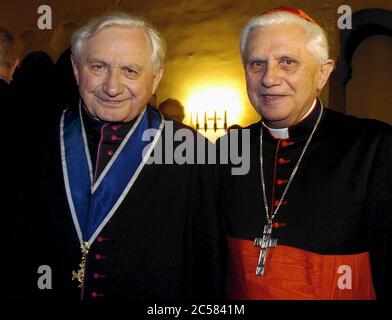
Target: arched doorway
367,25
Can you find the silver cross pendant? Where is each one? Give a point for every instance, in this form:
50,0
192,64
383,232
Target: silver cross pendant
265,242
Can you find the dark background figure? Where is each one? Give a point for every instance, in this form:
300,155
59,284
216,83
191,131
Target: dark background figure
172,109
8,62
234,126
66,90
30,123
35,83
8,59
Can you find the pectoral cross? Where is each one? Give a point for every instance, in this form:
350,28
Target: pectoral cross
265,242
79,275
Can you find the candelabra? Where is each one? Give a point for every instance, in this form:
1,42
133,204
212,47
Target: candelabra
207,119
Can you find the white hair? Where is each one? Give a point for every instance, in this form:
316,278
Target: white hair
120,19
317,45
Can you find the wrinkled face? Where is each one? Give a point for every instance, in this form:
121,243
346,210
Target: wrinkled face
282,76
115,73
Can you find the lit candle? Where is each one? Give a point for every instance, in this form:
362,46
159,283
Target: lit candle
215,123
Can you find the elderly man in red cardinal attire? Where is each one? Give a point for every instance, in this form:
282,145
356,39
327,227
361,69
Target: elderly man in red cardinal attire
312,218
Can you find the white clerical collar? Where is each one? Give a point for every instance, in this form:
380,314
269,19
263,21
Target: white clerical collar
283,133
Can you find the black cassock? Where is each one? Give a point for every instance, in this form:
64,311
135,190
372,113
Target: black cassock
333,228
164,241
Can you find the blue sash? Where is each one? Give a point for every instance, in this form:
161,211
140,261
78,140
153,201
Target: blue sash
92,206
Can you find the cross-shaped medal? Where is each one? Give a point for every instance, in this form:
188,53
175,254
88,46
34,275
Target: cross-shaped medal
79,275
265,242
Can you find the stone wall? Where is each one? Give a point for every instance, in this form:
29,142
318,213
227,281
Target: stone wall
202,36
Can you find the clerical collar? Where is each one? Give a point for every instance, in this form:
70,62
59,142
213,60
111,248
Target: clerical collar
93,125
281,133
305,124
103,135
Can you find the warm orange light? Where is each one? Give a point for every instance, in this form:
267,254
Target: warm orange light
207,100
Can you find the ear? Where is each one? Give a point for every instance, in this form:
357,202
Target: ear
325,71
156,79
75,69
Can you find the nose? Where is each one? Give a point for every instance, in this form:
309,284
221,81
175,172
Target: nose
113,85
271,76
